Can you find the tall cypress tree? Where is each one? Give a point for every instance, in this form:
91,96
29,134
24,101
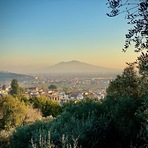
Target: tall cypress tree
15,89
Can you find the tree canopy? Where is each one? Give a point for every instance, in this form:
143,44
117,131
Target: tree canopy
14,87
137,15
53,87
127,84
14,112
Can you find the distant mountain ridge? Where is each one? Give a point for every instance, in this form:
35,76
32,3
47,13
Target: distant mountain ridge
6,76
78,67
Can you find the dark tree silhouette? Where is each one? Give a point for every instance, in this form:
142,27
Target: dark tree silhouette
14,87
53,87
137,16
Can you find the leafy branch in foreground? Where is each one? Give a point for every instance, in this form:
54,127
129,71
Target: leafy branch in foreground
137,16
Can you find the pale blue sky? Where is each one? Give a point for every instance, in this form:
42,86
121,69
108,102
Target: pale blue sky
44,32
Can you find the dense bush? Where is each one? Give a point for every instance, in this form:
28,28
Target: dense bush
142,114
22,136
47,106
124,126
113,123
16,113
127,84
73,123
32,115
13,112
4,138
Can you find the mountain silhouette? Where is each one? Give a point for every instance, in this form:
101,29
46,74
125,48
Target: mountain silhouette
78,67
6,76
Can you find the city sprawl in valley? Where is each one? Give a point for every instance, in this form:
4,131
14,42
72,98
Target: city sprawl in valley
69,86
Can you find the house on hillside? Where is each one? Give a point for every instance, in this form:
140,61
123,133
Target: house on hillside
101,94
79,96
33,89
63,96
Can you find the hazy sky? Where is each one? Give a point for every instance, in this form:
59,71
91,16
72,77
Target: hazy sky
44,32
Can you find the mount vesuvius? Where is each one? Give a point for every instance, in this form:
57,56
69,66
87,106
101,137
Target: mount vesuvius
78,67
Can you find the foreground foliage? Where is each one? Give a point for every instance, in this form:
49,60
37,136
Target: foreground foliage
116,122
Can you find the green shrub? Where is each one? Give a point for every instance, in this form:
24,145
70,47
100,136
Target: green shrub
115,122
21,137
142,115
46,106
13,112
74,125
4,138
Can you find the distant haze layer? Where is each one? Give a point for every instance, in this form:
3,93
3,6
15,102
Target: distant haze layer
73,66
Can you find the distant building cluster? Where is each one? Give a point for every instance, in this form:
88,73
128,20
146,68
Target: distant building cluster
59,96
70,87
4,90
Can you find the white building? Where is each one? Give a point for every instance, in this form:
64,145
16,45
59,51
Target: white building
79,96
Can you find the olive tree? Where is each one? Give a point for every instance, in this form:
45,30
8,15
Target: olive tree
137,16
